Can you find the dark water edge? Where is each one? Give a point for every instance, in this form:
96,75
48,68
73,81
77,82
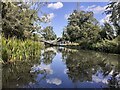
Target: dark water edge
61,67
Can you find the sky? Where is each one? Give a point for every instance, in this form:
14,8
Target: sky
58,13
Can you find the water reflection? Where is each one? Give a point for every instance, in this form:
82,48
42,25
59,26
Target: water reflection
64,67
48,55
89,66
17,74
55,81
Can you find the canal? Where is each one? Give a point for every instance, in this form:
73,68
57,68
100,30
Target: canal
60,67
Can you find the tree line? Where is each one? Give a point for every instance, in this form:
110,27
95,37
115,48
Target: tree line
84,29
20,20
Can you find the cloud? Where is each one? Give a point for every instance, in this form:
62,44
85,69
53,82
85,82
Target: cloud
48,17
106,19
66,16
81,7
51,16
96,9
55,5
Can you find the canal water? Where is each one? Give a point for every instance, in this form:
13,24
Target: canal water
60,67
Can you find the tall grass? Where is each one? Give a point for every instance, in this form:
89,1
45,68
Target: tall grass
17,50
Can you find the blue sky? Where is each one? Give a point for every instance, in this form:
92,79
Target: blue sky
59,11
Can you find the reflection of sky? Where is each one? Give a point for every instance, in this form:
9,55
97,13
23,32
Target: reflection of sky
55,76
99,77
46,68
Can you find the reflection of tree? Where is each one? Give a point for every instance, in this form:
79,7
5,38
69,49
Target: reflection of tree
83,64
18,73
48,57
119,64
78,68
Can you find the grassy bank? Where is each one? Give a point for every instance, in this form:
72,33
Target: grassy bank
18,50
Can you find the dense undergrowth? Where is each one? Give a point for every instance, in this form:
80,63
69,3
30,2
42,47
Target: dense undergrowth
108,46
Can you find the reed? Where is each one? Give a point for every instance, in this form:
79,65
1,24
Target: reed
18,50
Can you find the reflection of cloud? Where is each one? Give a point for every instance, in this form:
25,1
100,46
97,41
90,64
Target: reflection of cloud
65,71
55,81
45,68
99,77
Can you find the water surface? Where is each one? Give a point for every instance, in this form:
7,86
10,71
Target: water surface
60,67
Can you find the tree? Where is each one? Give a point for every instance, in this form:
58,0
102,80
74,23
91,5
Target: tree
48,33
113,9
18,19
107,32
82,26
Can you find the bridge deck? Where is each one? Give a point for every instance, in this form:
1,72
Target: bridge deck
52,43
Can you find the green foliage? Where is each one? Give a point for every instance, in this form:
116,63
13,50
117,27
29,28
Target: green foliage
18,19
48,33
81,26
82,64
107,32
107,46
14,49
114,9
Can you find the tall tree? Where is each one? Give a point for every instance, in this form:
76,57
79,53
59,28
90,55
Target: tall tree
82,26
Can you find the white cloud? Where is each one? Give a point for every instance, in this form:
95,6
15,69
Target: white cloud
48,17
96,9
55,5
66,16
51,16
106,19
81,7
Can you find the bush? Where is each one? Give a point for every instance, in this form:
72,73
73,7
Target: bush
107,46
